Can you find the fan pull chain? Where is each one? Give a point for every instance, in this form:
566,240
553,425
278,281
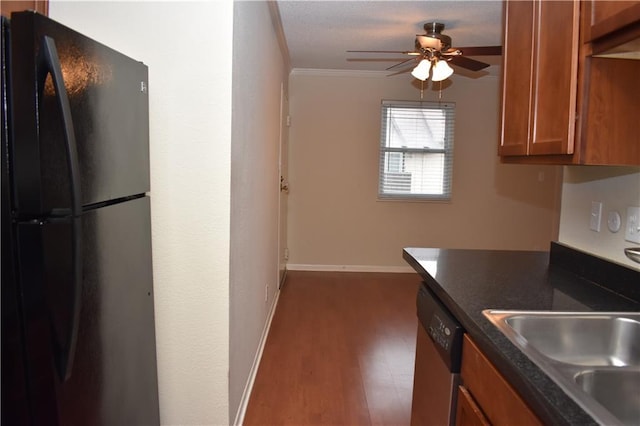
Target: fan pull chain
421,89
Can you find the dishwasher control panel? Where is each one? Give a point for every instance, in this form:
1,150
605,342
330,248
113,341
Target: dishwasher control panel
442,327
441,330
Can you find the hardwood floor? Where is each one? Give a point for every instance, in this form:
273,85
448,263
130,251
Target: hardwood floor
340,351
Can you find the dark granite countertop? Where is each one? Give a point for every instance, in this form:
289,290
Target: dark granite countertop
563,279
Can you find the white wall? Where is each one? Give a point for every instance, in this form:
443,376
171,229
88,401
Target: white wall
188,48
335,219
258,74
616,188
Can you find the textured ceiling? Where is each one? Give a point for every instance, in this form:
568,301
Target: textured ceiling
319,33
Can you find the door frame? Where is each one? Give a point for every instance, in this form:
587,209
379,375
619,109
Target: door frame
283,186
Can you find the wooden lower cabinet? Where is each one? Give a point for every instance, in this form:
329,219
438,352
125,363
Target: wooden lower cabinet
485,397
467,412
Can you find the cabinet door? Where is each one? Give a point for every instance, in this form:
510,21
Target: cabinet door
540,77
517,76
499,402
555,77
467,412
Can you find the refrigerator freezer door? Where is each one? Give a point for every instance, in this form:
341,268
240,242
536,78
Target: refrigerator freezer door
108,99
113,378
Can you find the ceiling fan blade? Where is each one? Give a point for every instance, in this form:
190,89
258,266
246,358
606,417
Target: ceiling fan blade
481,50
404,71
400,63
468,63
412,53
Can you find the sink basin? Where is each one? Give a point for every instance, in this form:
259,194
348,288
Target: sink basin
616,390
591,340
593,357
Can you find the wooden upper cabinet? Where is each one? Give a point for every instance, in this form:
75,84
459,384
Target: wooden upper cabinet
607,17
540,69
570,86
517,77
8,6
612,28
610,128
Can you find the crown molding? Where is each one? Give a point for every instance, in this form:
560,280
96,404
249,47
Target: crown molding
276,20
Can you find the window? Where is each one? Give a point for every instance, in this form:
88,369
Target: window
416,150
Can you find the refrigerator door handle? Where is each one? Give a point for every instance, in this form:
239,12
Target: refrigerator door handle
49,63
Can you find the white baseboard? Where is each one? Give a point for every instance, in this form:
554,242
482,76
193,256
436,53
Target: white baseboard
244,401
349,268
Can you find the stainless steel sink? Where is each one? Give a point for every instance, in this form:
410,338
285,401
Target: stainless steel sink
617,390
593,357
592,339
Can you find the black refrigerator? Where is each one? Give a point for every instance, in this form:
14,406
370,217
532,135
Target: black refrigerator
78,334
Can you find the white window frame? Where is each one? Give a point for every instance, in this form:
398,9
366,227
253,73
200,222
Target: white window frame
425,158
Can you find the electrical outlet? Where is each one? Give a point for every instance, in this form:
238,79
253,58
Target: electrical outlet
596,216
632,230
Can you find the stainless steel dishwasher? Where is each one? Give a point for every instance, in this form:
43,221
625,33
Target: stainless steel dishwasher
437,365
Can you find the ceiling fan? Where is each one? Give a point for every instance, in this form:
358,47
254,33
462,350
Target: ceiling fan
433,52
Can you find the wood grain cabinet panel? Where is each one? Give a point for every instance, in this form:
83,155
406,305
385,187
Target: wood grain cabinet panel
8,6
490,391
578,107
517,75
611,130
468,413
539,85
606,17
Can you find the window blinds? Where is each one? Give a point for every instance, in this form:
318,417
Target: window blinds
416,150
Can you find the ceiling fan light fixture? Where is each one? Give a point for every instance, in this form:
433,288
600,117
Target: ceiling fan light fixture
428,42
433,38
421,71
432,51
441,71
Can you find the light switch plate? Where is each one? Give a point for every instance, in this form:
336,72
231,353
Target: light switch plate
596,216
632,229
